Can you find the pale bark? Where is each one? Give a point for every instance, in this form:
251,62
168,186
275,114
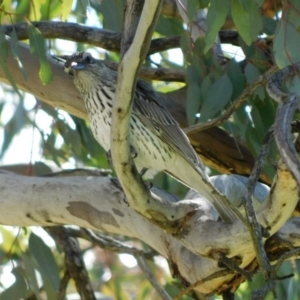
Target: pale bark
98,203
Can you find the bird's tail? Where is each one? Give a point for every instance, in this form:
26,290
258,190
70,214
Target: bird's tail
194,177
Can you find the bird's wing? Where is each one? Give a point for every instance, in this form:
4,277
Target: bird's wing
150,109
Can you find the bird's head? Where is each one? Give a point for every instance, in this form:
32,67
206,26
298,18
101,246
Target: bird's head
85,70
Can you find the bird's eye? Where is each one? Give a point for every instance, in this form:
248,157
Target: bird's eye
89,59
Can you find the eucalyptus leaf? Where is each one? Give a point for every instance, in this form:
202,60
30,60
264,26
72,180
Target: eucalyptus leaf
113,14
247,18
13,126
287,39
37,47
193,102
30,271
66,9
16,52
192,6
216,18
3,60
219,95
17,290
45,260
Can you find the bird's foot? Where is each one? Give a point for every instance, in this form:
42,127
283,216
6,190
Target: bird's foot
133,152
149,185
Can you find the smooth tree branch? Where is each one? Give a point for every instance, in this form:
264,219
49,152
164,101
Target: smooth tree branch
134,50
98,203
288,104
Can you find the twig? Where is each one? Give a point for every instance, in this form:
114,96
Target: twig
142,264
232,265
255,174
61,294
288,103
262,293
218,274
234,106
255,228
108,243
98,37
284,257
73,260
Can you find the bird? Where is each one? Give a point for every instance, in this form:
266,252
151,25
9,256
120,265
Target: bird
160,144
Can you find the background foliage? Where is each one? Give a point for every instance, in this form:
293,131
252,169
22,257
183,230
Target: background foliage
268,35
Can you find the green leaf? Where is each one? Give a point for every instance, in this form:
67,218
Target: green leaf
35,10
45,260
287,38
13,126
193,102
236,77
45,72
247,19
216,17
269,25
17,290
252,74
37,47
113,14
30,272
192,6
218,96
8,239
169,26
70,136
66,9
3,60
16,52
260,2
203,3
3,45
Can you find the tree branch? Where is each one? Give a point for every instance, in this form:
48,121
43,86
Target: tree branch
99,37
133,53
73,261
51,201
102,38
288,104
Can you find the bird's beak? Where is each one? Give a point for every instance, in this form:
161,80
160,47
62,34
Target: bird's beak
77,66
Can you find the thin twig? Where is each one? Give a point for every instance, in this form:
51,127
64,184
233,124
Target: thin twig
288,103
284,257
255,228
262,293
215,275
98,37
143,265
108,243
73,260
234,106
232,265
61,294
